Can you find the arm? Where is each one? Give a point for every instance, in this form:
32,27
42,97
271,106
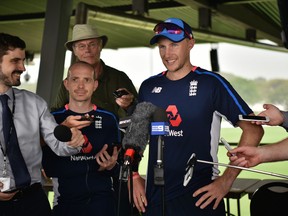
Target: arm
275,115
139,195
251,136
252,156
47,126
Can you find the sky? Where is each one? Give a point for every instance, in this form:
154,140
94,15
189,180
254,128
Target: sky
141,63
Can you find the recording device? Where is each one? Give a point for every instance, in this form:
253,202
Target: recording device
159,127
11,191
192,161
189,169
120,93
254,118
110,148
87,117
124,122
63,133
137,135
226,144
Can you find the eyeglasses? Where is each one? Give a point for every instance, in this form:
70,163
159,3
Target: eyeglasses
171,28
82,46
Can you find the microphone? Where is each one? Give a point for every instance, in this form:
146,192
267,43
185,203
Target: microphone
137,134
64,134
192,161
159,127
124,122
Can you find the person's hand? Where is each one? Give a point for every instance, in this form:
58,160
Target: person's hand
245,156
125,100
75,121
274,114
139,197
106,161
6,196
212,192
77,138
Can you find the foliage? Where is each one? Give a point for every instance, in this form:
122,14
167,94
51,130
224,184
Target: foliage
260,90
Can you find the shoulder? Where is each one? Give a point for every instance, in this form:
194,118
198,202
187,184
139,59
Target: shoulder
154,78
204,72
112,71
59,111
210,76
25,94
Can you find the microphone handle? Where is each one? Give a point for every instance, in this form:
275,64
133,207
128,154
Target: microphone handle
160,151
244,168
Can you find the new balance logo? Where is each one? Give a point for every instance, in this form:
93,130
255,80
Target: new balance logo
157,90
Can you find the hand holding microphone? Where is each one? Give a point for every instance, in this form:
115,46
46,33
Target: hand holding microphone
73,137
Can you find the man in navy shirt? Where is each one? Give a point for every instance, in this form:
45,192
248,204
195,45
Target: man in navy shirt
83,183
195,101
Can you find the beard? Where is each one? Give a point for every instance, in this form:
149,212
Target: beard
12,80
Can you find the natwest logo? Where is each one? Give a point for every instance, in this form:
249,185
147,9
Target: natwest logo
173,115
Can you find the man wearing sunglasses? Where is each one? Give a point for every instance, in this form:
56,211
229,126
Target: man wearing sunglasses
195,101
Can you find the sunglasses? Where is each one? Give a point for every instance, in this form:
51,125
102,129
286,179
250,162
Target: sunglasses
171,29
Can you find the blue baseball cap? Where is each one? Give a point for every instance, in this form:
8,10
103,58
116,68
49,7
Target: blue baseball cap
173,29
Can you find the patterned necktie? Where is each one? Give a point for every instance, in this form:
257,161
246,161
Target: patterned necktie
18,165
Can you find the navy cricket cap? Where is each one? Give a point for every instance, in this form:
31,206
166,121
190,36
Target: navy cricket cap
173,29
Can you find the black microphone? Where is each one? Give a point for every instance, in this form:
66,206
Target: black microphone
124,122
159,127
137,134
63,133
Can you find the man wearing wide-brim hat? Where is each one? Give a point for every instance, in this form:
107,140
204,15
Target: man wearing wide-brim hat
84,32
86,44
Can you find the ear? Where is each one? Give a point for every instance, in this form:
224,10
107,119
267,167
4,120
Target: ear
191,43
65,82
95,84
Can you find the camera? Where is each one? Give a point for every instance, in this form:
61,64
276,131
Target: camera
119,93
87,118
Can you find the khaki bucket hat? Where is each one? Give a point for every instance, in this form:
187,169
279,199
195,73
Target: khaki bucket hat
83,32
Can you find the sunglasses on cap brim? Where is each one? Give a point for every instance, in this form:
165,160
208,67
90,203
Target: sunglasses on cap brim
171,28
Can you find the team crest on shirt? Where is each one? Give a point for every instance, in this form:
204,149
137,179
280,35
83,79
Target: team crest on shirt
193,88
98,122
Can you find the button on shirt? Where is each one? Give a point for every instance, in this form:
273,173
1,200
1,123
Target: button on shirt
32,119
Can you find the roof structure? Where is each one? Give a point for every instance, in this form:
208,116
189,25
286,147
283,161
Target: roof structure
129,23
45,25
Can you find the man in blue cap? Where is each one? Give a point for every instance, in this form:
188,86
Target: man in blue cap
195,101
